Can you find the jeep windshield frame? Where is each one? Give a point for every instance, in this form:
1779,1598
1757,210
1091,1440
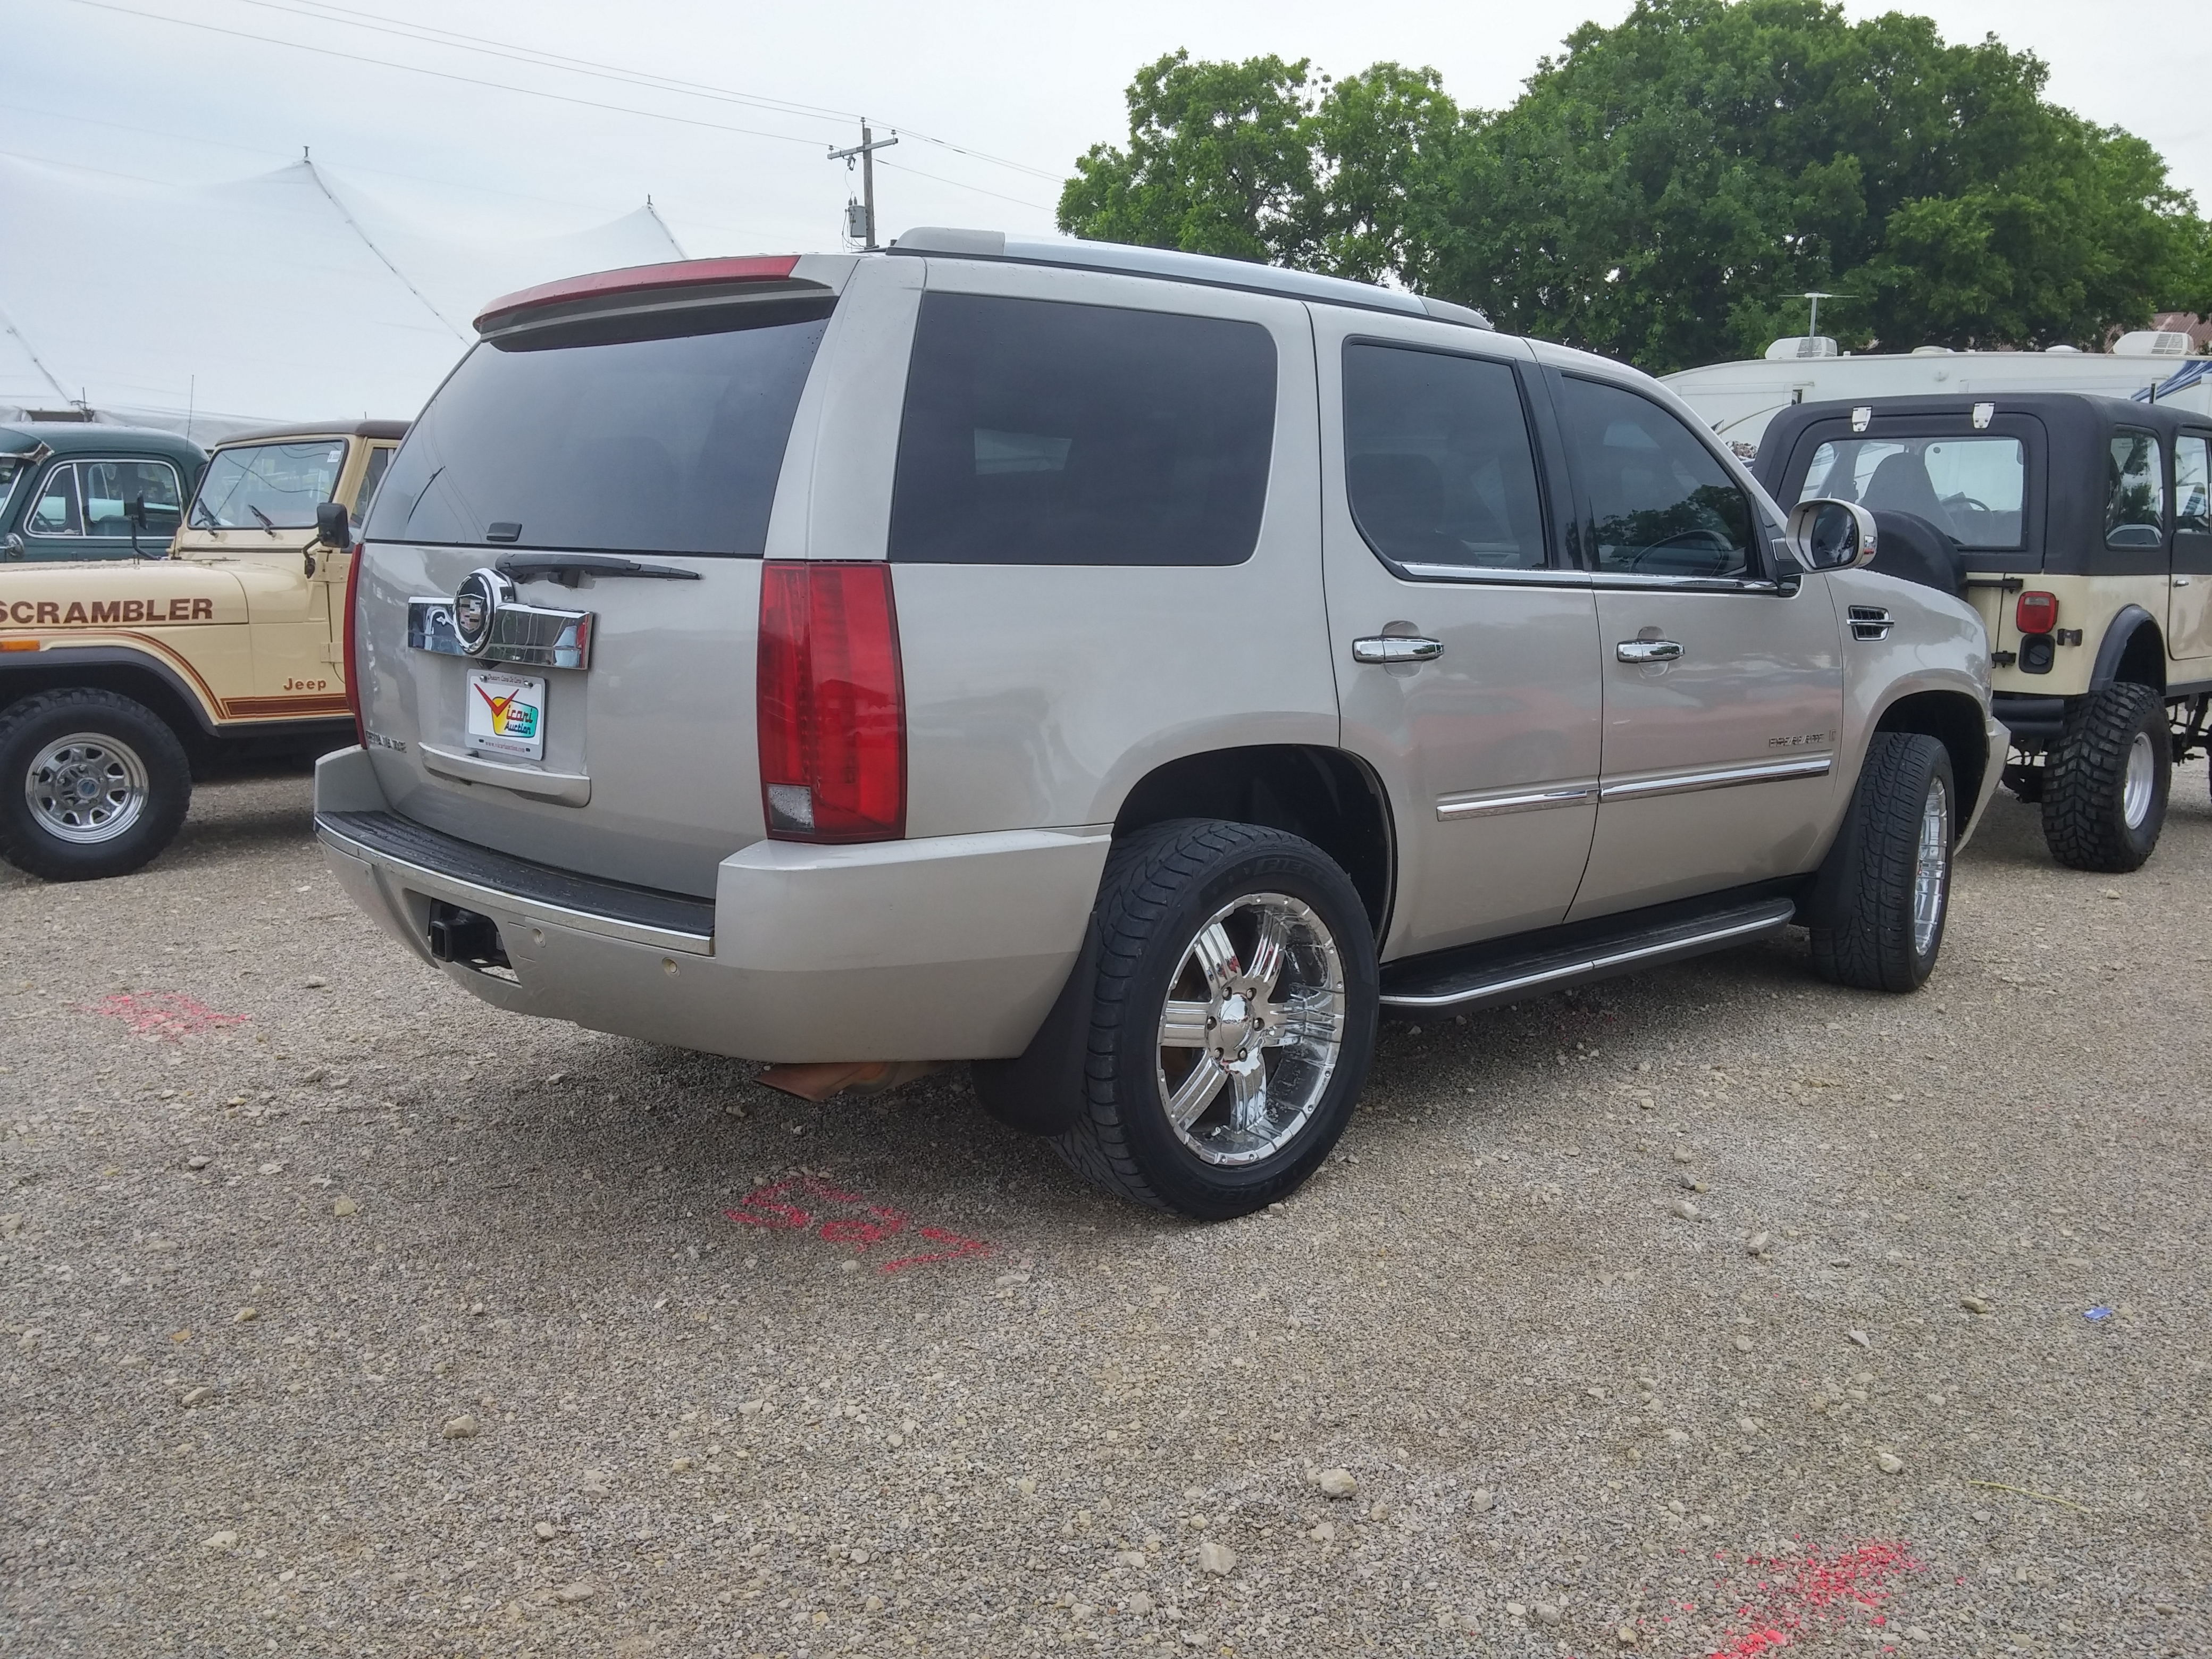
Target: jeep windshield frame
632,430
286,480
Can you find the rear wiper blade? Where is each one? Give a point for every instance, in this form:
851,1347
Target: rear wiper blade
569,569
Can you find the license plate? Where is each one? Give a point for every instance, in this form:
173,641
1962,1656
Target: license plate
507,715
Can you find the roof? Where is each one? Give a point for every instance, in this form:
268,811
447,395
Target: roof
1171,264
2071,409
85,437
320,429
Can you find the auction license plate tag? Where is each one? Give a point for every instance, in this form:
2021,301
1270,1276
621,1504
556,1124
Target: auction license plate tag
507,715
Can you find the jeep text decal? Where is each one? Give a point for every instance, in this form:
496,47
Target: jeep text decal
49,613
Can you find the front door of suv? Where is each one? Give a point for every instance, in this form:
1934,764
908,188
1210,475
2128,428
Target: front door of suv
1724,687
1466,652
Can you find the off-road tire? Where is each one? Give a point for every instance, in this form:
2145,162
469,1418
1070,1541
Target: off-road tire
1160,886
26,730
1861,912
2084,819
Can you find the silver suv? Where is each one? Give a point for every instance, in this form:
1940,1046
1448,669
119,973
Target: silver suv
1127,670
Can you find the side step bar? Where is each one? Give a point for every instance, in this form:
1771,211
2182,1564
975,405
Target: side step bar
1484,976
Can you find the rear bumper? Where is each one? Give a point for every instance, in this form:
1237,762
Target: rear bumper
945,948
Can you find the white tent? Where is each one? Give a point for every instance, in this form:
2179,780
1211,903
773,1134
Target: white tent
288,297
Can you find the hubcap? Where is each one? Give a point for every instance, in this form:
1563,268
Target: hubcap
2141,781
86,787
1930,866
1252,1028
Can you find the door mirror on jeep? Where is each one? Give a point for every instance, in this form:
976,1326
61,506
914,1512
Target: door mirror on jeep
1832,535
333,528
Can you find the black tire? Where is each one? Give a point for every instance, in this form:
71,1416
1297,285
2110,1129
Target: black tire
1865,930
1161,888
2086,818
135,780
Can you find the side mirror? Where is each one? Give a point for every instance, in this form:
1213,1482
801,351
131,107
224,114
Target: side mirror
332,526
14,547
1827,535
139,511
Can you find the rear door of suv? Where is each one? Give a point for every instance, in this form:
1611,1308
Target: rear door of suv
599,479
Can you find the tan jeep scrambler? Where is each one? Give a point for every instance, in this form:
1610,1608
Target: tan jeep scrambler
2080,528
120,678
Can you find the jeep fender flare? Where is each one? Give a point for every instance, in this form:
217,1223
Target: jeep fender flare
112,667
2112,651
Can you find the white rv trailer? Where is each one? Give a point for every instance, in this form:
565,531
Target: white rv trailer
1737,399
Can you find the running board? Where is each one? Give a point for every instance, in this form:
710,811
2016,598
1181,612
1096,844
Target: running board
1483,976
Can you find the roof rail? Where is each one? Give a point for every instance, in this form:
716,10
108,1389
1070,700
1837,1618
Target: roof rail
1170,265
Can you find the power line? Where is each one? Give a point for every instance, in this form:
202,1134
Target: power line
350,17
498,86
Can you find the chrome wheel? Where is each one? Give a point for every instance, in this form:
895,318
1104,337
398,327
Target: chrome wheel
1931,866
2141,783
1254,1023
86,787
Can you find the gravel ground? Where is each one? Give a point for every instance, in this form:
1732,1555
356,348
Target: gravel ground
344,1315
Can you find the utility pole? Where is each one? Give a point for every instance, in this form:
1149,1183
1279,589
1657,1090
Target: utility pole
860,216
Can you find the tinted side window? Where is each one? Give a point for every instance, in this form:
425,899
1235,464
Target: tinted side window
379,459
1437,464
627,441
1036,432
1659,503
2192,484
2134,506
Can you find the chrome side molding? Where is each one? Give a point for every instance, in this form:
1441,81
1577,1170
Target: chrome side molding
1728,777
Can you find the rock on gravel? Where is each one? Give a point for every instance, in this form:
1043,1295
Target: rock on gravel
463,1427
1336,1483
1216,1558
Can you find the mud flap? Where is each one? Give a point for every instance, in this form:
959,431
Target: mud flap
1041,1089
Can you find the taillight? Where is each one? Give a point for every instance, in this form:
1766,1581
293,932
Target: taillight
831,706
2036,613
352,653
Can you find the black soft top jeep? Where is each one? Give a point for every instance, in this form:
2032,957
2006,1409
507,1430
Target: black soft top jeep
2080,528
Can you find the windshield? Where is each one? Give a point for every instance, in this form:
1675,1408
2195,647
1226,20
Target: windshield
1970,488
621,444
12,467
268,486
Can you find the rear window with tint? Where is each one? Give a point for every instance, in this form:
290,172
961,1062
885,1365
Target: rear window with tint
619,445
1036,432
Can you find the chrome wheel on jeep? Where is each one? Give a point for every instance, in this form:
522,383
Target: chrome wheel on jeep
1227,1031
2106,784
86,787
1250,1033
92,783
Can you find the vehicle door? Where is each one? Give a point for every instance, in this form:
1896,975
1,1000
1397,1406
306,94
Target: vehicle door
261,499
1723,674
105,508
1466,651
2188,603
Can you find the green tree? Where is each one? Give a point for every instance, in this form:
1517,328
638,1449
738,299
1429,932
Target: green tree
1664,189
1220,161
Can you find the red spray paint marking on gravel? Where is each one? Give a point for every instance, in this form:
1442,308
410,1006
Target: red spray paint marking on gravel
1802,1596
770,1207
166,1015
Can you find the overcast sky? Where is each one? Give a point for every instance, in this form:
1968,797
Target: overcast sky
491,144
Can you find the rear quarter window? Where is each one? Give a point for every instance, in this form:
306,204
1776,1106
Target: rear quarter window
613,440
1039,432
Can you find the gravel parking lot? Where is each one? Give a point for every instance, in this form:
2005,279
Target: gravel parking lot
1707,1312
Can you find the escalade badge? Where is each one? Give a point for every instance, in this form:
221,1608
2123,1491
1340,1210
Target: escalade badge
484,619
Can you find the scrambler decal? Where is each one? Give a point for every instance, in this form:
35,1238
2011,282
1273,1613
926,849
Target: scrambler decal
105,613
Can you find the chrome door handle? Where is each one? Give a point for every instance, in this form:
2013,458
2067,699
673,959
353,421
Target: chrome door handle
1647,651
1389,649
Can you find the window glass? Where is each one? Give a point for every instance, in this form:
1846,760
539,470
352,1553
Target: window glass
379,459
629,439
269,486
1437,464
1659,501
1971,488
2193,484
116,490
54,513
12,467
1036,432
2134,507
